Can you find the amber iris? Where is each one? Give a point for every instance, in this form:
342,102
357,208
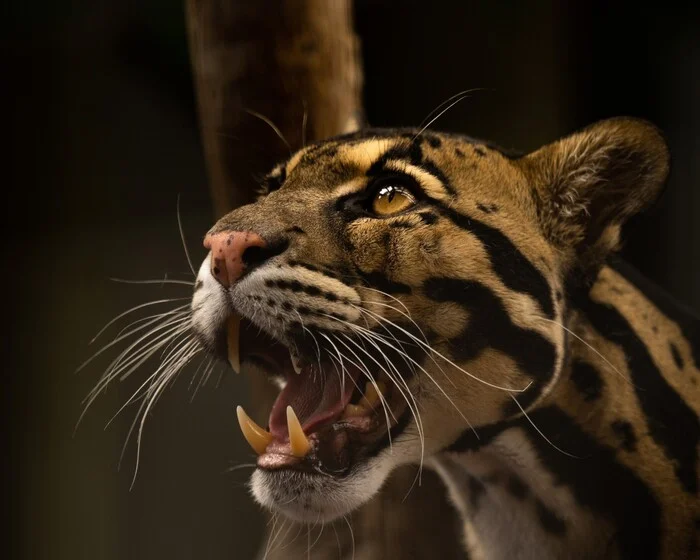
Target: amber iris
392,200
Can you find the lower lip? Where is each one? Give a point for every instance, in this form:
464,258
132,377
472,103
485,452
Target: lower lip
330,448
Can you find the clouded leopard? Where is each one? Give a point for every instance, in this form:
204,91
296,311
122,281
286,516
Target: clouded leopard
426,298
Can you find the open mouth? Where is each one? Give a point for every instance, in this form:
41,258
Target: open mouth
329,413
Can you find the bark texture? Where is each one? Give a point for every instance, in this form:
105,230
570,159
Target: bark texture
293,62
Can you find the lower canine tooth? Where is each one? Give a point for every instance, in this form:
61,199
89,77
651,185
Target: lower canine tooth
354,410
258,438
298,441
373,393
233,331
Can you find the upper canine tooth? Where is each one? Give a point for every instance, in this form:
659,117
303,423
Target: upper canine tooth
373,393
258,438
298,441
233,332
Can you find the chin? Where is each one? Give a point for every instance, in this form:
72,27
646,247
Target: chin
314,497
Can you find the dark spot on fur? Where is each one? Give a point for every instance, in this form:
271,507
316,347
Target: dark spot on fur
624,431
459,153
401,224
517,488
428,217
487,208
587,380
295,229
433,140
479,151
476,490
197,285
676,355
550,521
494,478
330,151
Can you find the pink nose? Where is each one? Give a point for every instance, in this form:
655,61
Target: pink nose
227,248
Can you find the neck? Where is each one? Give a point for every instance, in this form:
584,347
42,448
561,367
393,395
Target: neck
562,478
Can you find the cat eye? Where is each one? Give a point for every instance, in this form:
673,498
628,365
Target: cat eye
392,199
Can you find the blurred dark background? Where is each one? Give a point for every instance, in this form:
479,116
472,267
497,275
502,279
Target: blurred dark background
103,139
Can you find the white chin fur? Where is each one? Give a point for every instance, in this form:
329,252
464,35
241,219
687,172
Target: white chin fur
317,498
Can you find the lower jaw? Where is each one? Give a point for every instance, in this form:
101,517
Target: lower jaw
315,497
324,486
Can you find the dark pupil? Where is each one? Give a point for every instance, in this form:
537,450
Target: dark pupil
390,194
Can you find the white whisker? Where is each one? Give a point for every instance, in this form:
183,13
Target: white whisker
163,281
272,125
572,333
431,349
182,237
527,416
135,308
452,101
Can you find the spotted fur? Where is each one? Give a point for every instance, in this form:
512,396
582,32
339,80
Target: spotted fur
557,390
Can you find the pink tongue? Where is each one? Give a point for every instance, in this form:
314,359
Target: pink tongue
316,399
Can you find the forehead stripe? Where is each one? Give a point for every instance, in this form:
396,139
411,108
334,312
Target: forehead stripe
431,183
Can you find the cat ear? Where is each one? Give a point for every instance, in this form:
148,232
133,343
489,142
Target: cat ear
588,184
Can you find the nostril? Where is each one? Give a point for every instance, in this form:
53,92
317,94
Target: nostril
255,256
